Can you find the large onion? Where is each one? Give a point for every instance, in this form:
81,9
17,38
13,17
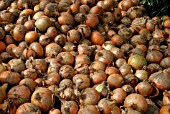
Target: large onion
137,61
42,97
161,79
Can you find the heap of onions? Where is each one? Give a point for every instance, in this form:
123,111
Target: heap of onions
83,57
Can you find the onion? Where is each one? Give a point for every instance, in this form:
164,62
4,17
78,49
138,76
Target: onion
128,89
104,56
69,107
28,108
108,107
19,32
92,20
102,88
111,70
115,81
98,77
137,61
161,79
65,58
82,59
131,79
66,71
154,56
35,46
118,95
165,62
42,23
42,97
81,81
119,62
2,33
52,50
142,74
125,69
12,78
117,40
144,88
73,36
19,94
66,18
136,102
108,45
30,83
31,36
89,96
44,40
61,40
97,38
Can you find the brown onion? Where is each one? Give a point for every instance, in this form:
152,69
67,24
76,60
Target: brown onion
97,38
165,62
118,95
92,20
31,36
51,32
98,77
30,83
16,65
154,56
125,69
52,50
66,18
161,79
19,32
115,81
19,94
144,88
108,107
42,97
81,81
137,102
69,107
28,108
35,46
104,56
89,96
